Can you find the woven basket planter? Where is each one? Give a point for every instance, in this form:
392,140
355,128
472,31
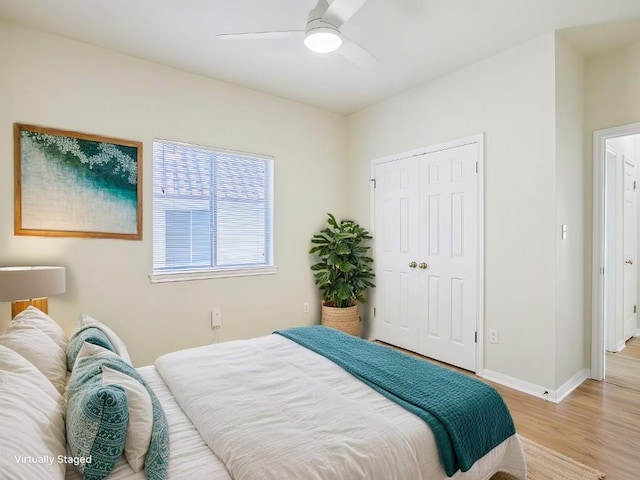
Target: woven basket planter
344,319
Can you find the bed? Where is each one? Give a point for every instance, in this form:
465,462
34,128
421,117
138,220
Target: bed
264,408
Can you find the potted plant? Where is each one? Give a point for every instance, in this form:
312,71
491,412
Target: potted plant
343,272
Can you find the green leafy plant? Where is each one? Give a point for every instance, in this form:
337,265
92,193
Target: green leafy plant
343,272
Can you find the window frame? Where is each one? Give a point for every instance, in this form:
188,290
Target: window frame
207,272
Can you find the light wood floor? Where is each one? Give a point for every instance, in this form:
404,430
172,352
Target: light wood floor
598,424
631,349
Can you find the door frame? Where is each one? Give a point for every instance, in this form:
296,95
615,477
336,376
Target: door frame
460,142
600,275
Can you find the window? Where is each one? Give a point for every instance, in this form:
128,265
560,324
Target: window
212,212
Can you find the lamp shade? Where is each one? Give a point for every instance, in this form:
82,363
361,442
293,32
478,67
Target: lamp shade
26,283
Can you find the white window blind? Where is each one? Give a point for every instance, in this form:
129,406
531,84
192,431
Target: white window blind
212,210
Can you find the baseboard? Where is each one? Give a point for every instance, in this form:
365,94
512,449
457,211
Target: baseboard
637,332
516,384
555,396
571,384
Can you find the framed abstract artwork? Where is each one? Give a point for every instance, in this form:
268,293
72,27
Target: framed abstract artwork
70,184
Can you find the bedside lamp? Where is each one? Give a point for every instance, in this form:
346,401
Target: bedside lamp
24,286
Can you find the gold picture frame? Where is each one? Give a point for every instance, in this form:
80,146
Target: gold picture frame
71,184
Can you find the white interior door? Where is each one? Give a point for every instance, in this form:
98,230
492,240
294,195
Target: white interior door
426,217
448,247
630,248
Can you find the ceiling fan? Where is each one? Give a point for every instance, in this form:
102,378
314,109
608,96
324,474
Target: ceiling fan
322,33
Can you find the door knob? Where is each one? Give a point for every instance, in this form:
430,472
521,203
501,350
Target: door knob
423,265
629,262
413,265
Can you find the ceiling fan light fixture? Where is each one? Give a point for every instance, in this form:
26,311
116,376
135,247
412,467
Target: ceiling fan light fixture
323,39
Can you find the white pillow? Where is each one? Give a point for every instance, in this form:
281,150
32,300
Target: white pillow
11,361
41,351
92,350
34,318
118,344
140,421
31,421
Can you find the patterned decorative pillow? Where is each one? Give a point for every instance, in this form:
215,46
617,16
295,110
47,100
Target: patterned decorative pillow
156,464
156,461
119,346
140,424
96,421
90,335
92,350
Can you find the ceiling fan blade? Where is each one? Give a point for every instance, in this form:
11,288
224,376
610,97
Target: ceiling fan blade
341,11
356,54
260,35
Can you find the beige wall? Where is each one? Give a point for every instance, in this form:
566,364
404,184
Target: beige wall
612,93
612,99
528,101
55,82
571,322
510,97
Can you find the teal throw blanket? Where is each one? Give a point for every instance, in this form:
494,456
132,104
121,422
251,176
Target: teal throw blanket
468,418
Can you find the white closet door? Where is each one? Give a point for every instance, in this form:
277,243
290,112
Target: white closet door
448,245
396,220
426,241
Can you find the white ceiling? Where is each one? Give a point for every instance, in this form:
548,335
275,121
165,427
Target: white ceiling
413,40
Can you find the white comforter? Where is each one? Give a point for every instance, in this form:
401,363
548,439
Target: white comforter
271,409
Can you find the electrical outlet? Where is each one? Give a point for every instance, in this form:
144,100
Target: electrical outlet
305,307
493,335
216,318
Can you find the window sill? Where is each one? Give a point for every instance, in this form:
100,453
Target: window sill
218,273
